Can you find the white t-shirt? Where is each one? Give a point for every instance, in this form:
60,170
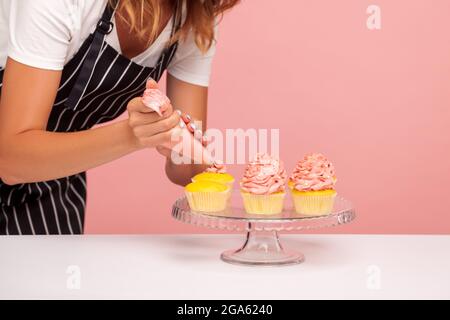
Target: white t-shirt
46,34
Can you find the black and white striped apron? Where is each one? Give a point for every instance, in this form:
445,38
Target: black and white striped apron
95,87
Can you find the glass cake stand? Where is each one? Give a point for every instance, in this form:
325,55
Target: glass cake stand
262,245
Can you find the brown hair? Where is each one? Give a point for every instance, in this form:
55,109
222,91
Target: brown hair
200,18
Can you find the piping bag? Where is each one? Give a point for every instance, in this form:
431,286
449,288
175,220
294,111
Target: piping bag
154,99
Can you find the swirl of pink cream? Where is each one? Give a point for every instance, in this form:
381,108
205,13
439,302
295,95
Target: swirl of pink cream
217,167
155,99
314,172
264,175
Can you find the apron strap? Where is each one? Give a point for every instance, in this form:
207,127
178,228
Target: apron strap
104,27
176,25
178,17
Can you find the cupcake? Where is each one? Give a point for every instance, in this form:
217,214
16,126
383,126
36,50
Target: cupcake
217,172
207,196
312,185
262,187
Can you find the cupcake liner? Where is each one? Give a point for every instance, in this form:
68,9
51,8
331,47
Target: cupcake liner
313,204
230,188
208,201
263,204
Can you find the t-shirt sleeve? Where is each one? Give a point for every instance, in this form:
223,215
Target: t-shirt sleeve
190,64
39,32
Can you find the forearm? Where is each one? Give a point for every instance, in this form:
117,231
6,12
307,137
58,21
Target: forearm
181,174
38,155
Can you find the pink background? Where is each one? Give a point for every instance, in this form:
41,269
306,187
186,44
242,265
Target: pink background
377,103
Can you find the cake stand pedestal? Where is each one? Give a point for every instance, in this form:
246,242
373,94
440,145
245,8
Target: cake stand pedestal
262,246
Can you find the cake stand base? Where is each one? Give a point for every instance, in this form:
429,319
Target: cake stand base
262,248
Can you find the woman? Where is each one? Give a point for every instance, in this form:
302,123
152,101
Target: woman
67,65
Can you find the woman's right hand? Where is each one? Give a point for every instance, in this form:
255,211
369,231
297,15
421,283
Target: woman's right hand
149,129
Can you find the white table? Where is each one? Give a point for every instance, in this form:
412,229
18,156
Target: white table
188,267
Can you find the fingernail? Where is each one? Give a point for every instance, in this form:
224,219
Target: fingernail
198,134
179,112
186,118
192,127
183,117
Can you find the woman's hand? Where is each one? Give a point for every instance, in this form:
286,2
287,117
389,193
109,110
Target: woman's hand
30,153
189,99
150,129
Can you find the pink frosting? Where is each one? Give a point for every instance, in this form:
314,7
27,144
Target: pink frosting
264,175
314,172
155,99
217,167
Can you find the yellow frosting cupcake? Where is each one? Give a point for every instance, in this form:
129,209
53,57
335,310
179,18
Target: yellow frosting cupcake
207,196
223,178
217,172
